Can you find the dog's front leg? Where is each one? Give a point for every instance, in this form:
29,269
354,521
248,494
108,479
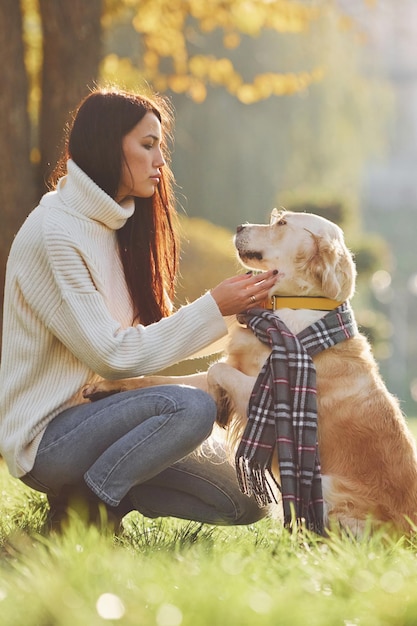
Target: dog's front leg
231,389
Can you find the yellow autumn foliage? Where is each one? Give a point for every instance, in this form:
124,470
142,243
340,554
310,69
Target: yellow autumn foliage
168,26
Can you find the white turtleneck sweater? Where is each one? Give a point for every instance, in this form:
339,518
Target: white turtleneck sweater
68,314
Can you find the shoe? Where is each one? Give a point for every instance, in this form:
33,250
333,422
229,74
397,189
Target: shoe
80,500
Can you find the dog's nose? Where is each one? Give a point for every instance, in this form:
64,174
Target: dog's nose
239,228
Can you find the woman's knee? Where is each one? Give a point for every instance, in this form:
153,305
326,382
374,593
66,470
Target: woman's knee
200,409
201,400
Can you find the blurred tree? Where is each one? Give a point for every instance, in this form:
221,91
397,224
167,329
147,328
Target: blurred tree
42,80
173,33
71,54
51,55
51,52
235,162
345,121
16,182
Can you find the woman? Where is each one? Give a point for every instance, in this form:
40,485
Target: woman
89,283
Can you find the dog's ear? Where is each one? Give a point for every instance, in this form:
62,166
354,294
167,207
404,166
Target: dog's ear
333,267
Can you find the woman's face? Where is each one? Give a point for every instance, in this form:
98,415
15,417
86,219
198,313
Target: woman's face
141,169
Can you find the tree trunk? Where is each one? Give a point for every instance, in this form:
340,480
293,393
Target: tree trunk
71,57
16,172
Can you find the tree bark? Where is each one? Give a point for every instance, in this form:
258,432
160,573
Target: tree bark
71,57
16,175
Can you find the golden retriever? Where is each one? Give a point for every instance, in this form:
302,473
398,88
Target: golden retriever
368,456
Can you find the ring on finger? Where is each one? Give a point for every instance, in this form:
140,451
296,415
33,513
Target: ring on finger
253,299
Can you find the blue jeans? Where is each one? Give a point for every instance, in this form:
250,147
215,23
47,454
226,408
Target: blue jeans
140,444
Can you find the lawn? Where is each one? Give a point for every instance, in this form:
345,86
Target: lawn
175,573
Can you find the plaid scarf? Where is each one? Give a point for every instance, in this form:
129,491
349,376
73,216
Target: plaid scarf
282,414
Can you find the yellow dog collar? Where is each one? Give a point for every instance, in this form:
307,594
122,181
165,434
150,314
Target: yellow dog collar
314,303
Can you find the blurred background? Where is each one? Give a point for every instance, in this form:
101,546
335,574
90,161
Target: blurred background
309,105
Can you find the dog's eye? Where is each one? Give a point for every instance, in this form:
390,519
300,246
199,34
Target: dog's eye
281,222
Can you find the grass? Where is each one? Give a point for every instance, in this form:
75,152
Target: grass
175,573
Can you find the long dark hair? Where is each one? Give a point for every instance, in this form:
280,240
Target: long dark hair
148,242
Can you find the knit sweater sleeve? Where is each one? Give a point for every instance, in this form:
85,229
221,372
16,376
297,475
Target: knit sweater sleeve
83,325
66,289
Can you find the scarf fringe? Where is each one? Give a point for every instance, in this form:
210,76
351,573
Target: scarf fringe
257,481
296,524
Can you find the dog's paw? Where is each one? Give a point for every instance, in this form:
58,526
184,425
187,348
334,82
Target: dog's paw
100,390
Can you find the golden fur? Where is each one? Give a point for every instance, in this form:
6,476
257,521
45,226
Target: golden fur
368,456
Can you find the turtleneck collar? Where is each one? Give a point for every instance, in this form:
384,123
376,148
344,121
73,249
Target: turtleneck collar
81,194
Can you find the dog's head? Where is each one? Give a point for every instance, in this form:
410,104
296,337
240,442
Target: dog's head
308,251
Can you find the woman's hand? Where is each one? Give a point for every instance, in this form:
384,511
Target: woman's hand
242,292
